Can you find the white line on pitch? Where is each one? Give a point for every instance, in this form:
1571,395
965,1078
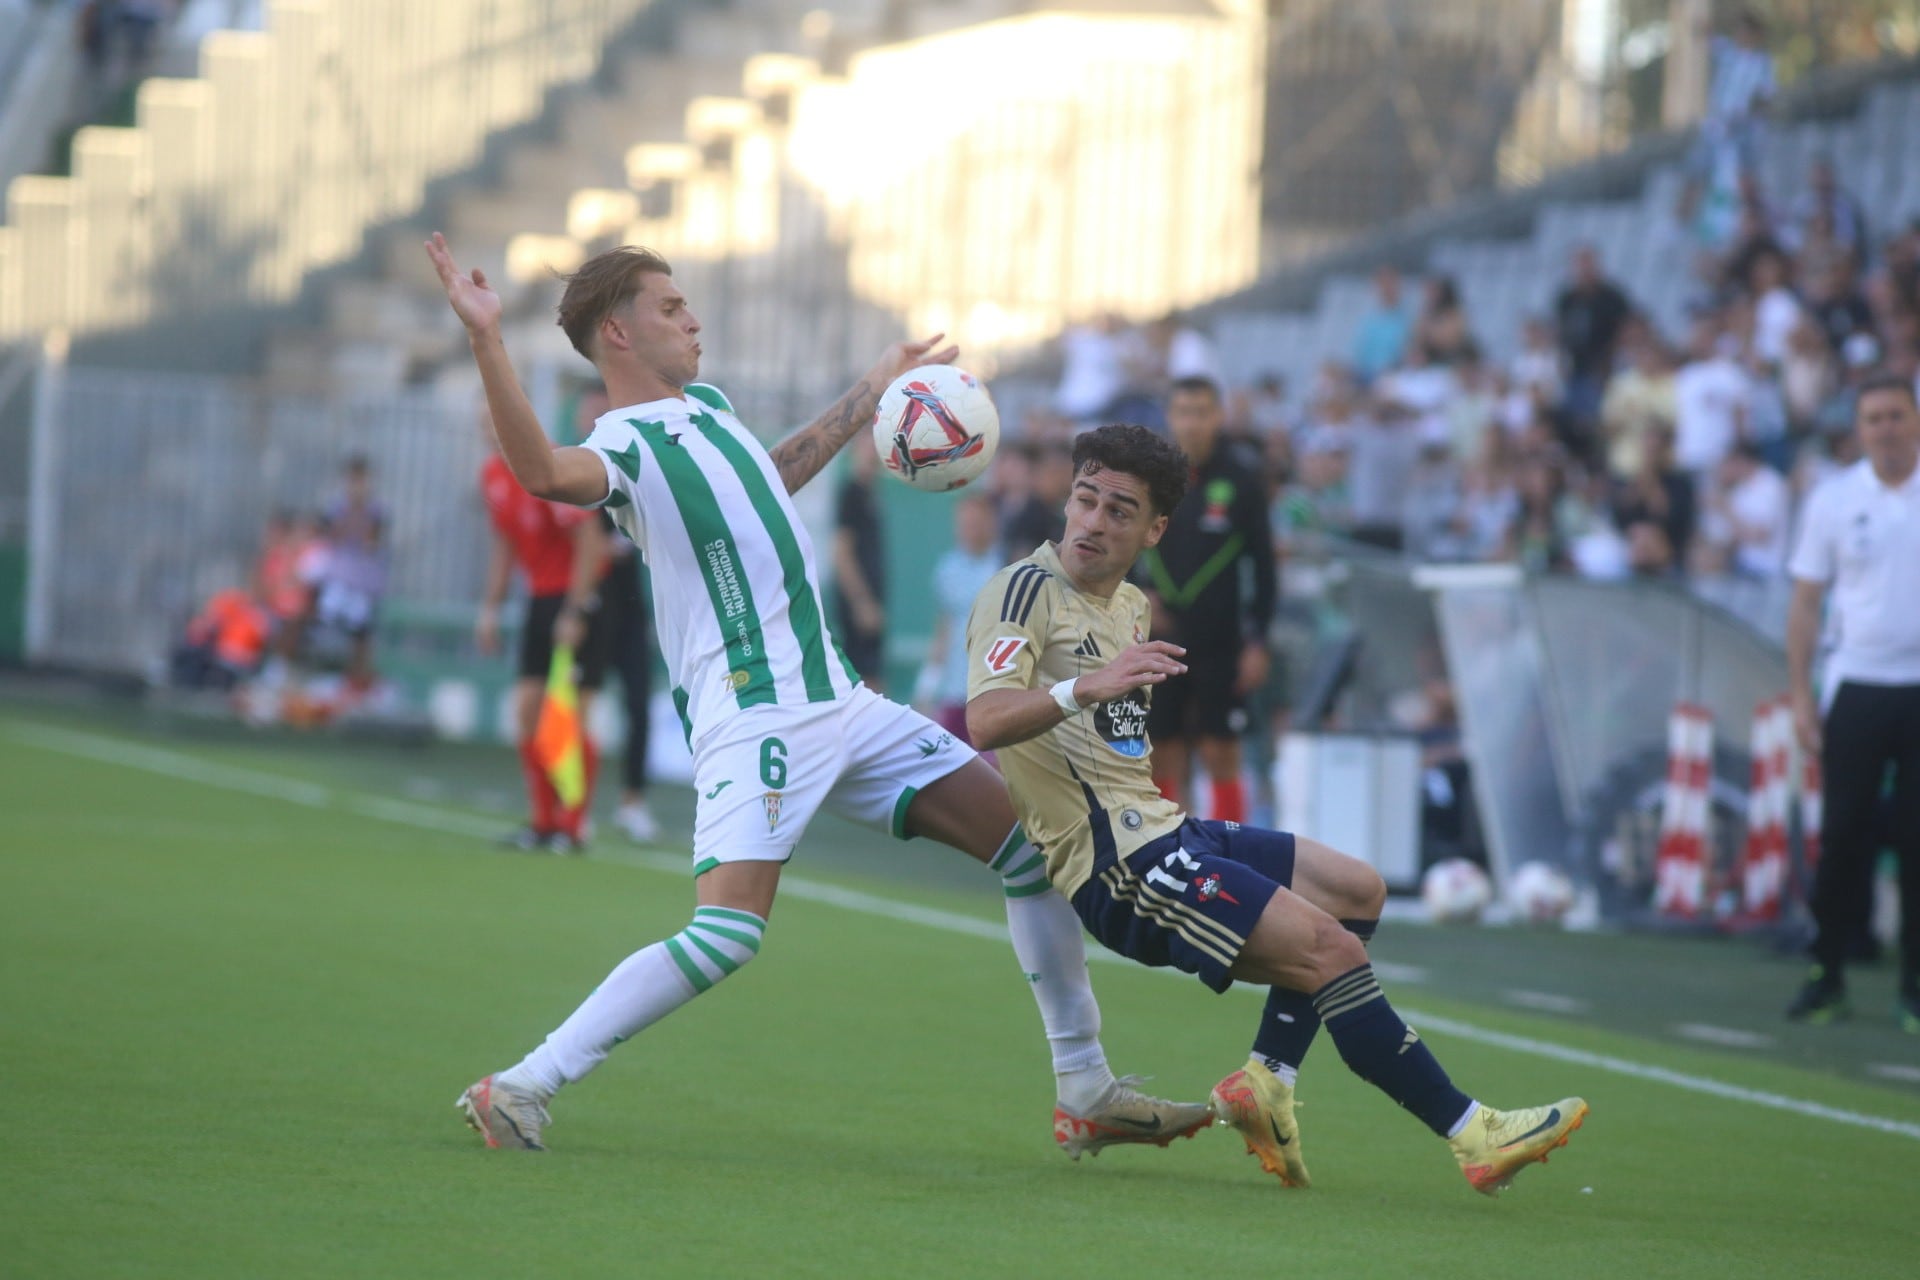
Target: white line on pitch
175,764
1727,1037
1896,1071
1545,1001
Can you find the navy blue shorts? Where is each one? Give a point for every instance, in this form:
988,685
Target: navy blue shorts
1188,899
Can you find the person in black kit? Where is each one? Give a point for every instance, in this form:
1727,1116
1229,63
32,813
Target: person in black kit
623,611
1043,518
860,573
1211,583
1590,312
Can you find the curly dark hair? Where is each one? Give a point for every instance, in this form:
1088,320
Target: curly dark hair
1137,452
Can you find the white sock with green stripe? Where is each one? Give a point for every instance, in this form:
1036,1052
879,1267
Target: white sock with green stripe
1053,955
646,987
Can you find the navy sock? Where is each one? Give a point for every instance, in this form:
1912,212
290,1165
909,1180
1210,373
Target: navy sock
1289,1022
1382,1050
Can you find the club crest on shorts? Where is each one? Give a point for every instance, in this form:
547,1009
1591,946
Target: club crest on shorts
1130,819
1207,888
771,802
1000,654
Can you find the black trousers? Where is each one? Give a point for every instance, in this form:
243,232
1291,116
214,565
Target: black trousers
1869,729
631,654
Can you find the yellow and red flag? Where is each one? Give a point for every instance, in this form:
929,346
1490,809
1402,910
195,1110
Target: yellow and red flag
559,740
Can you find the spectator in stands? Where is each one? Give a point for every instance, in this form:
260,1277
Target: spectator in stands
1432,518
1747,509
1384,446
350,578
1091,373
1639,400
1385,328
1776,311
1740,86
860,572
1710,394
224,643
1859,360
1442,335
1894,290
1316,506
1589,313
139,20
1474,409
277,580
1189,352
958,576
1654,507
1806,375
1824,212
1538,369
1263,414
1538,538
1837,306
1488,502
1043,516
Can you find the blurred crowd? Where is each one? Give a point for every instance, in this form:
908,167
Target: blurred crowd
296,642
1605,446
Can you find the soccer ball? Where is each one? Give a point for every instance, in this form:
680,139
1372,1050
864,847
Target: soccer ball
1455,891
936,427
1539,894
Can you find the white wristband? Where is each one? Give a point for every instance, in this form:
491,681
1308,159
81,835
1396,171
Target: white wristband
1063,696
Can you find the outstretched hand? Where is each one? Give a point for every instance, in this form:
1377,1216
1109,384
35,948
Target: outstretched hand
902,356
1151,662
471,298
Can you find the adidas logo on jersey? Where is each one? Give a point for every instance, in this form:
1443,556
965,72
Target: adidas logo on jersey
1087,648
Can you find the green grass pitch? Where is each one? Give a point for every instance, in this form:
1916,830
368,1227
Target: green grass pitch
233,1023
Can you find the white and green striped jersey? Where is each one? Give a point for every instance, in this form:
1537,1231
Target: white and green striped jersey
736,595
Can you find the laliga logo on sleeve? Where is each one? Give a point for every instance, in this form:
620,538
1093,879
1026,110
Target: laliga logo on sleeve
1000,654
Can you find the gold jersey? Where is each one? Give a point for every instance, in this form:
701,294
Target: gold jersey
1030,629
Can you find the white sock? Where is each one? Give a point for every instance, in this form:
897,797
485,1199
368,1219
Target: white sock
1289,1076
645,987
1461,1123
1049,946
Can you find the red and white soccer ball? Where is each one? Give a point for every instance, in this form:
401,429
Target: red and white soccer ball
936,427
1455,891
1539,894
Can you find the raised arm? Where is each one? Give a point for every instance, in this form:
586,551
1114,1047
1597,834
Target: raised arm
801,455
570,474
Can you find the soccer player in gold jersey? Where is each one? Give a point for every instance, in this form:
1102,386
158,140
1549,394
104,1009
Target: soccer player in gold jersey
1062,673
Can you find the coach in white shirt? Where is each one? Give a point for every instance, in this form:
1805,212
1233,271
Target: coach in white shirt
1861,537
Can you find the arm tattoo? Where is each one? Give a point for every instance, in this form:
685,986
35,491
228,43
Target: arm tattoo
801,455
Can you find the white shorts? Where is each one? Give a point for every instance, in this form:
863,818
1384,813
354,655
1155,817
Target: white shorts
762,774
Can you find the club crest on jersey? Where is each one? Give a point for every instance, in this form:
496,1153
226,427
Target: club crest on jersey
771,802
1000,653
1207,888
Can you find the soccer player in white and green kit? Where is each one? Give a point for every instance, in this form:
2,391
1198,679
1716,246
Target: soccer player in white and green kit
778,723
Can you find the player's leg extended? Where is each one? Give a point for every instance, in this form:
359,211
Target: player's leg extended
735,899
969,809
1258,1100
1340,885
1295,944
